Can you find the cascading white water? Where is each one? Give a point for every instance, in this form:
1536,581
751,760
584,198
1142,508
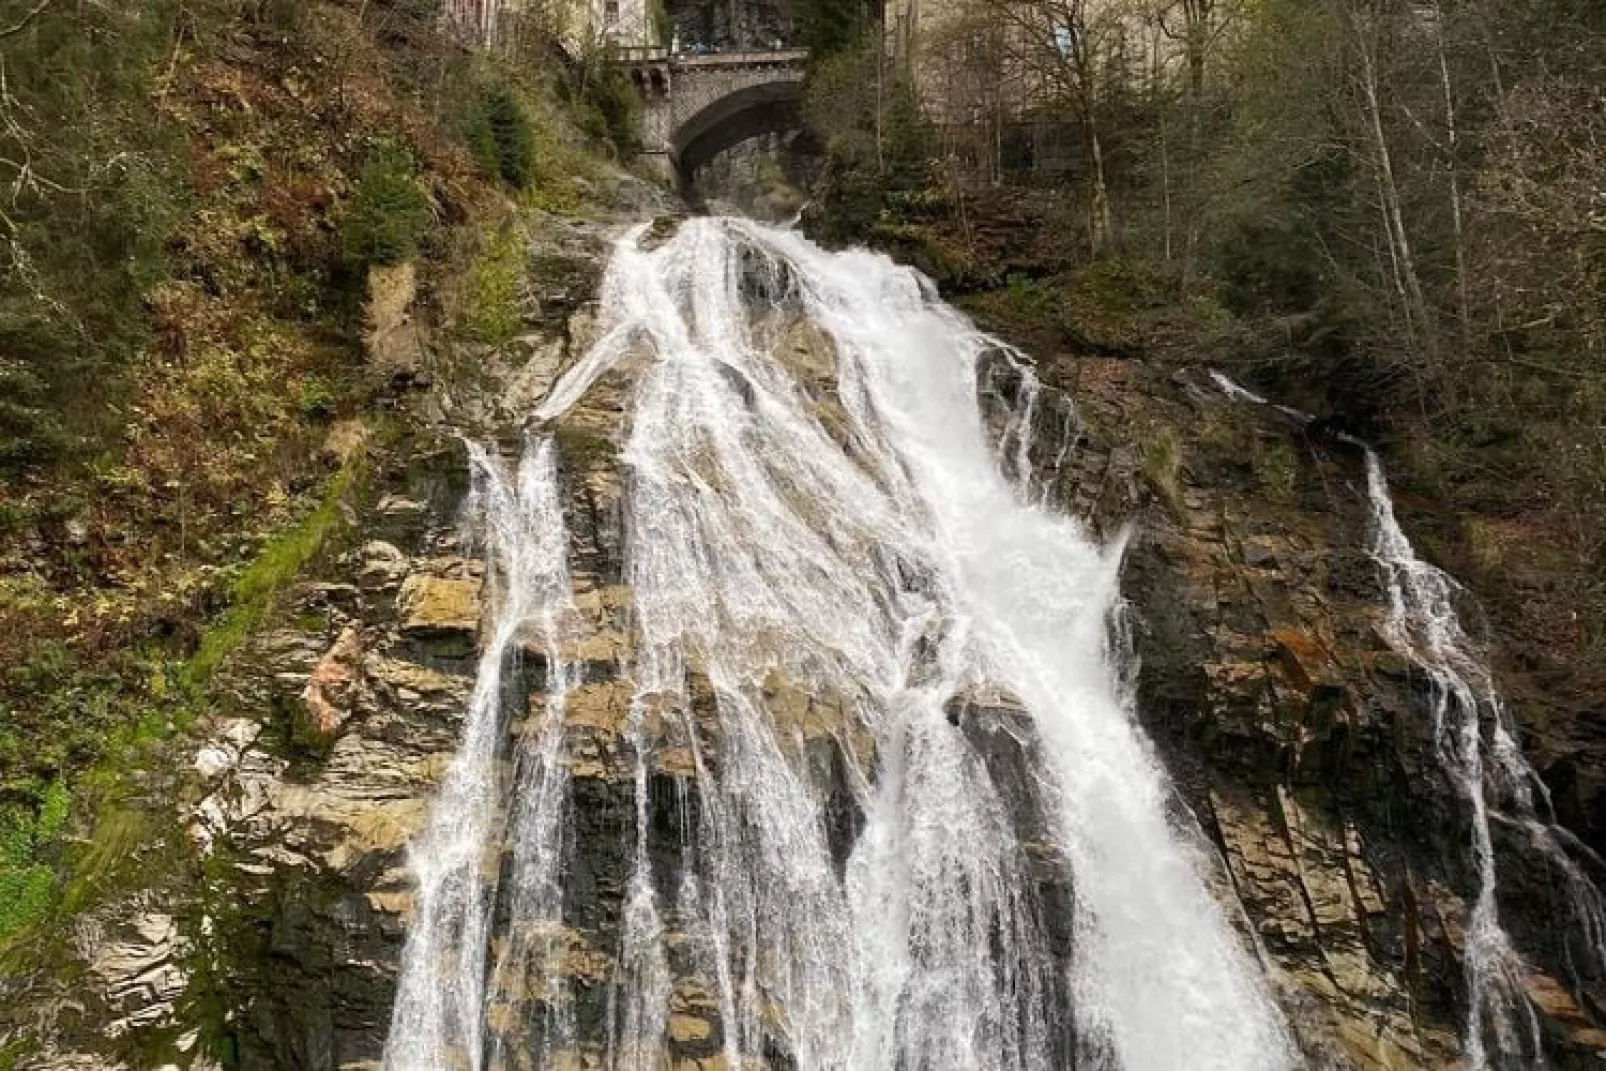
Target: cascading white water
850,546
1477,748
438,1013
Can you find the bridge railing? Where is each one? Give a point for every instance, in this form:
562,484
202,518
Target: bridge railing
709,56
638,53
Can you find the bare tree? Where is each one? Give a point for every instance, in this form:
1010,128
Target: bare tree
1056,50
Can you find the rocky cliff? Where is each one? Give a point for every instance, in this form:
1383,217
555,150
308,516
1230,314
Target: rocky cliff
1301,744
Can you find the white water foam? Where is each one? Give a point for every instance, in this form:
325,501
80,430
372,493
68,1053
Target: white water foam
437,1018
1476,746
891,563
828,567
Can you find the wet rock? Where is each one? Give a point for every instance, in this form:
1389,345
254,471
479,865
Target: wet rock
1301,745
1302,740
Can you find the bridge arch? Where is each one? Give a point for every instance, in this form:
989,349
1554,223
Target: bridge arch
697,105
762,108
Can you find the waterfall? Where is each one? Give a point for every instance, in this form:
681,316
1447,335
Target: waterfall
1476,747
843,581
1475,744
438,1014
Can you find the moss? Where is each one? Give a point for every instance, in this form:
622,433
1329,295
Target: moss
12,1052
1106,303
27,880
278,563
582,450
1224,434
1277,467
579,276
32,894
120,832
551,198
1032,302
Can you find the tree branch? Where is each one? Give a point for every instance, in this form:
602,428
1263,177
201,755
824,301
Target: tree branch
26,19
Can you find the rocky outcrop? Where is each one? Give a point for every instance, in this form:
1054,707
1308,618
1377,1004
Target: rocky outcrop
1302,744
1301,747
431,604
395,342
329,695
135,966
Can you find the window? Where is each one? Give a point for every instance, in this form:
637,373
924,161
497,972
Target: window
610,11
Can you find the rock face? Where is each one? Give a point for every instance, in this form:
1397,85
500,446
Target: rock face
135,967
1299,744
394,341
432,605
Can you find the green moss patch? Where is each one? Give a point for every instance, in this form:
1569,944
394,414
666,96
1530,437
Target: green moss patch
254,591
27,843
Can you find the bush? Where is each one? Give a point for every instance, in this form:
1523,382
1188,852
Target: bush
27,838
496,283
30,427
502,139
608,107
388,214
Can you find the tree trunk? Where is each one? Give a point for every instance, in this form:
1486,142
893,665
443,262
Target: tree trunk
1103,225
1388,188
1156,83
1196,35
1457,223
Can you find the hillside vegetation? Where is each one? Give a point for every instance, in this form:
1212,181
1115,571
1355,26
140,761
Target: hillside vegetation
193,196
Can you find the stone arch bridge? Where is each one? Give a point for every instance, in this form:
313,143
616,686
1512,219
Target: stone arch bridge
698,105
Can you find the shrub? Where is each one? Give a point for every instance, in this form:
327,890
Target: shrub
496,284
388,213
608,107
27,837
30,428
502,139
